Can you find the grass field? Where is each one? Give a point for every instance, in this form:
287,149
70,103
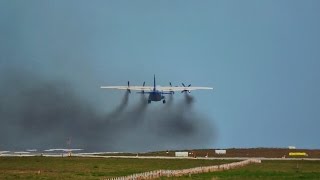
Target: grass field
266,170
88,168
99,168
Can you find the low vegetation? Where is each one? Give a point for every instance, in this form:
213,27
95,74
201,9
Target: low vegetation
266,170
89,168
100,168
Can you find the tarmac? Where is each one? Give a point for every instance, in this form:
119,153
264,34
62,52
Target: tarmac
149,157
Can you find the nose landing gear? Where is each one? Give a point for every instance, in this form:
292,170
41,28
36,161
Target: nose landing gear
164,101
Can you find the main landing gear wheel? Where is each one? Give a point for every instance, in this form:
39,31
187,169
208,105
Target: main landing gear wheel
164,101
149,101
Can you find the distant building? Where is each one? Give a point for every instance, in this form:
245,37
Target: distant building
181,154
291,147
220,151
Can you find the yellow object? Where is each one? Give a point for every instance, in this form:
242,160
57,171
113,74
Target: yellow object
298,154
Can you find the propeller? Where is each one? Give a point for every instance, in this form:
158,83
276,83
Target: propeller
144,83
129,87
171,86
185,86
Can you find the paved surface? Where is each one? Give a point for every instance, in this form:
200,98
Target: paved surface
209,158
152,157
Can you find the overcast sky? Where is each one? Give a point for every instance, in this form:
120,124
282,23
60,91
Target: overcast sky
262,57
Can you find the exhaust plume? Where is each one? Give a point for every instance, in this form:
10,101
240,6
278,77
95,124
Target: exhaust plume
41,113
124,103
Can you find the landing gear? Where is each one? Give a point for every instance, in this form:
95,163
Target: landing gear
163,101
149,101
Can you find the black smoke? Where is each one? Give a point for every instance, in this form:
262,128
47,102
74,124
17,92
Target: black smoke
38,112
119,109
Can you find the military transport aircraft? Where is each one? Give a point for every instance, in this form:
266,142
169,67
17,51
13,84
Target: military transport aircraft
156,93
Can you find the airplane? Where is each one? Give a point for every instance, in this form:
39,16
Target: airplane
3,152
65,150
156,93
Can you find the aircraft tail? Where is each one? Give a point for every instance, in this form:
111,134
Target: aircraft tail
154,82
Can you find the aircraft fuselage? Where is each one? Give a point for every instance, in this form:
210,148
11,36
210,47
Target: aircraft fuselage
155,96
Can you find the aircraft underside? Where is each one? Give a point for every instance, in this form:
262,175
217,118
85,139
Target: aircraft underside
156,96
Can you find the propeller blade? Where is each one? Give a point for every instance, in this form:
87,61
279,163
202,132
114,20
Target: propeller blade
129,87
183,85
170,84
189,85
144,83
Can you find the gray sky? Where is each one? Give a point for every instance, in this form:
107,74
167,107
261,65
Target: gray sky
262,57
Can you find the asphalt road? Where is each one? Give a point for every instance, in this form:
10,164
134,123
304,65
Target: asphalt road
148,157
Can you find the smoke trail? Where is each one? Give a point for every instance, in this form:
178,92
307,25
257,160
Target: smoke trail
133,116
188,98
178,120
139,109
177,127
41,113
169,101
117,112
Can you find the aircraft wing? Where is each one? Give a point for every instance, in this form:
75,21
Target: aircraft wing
133,88
182,88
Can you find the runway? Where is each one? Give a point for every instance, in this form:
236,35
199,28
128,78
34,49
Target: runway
63,155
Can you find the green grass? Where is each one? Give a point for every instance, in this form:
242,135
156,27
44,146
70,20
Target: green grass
266,170
89,168
99,168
